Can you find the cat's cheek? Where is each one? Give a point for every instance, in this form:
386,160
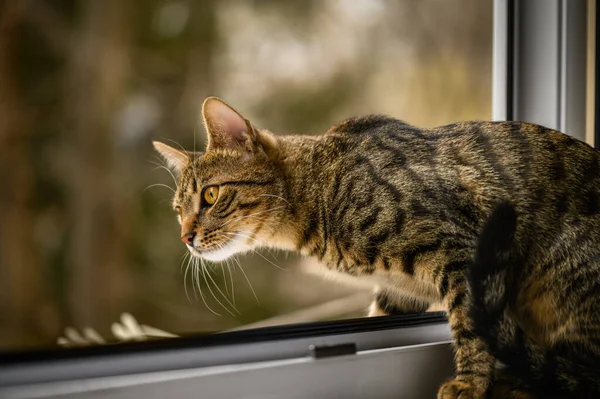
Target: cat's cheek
235,246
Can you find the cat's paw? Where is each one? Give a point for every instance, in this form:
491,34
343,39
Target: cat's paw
375,310
458,389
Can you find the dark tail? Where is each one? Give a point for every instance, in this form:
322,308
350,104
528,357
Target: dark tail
556,372
494,256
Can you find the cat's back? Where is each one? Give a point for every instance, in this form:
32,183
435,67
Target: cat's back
514,144
368,125
523,161
465,133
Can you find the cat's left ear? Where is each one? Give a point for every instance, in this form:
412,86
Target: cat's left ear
227,128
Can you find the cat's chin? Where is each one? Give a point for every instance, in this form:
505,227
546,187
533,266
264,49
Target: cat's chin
233,246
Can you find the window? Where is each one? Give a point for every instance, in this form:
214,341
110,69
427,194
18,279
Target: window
88,232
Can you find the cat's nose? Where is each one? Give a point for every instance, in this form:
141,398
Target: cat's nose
188,238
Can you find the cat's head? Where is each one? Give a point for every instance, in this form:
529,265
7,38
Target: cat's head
229,199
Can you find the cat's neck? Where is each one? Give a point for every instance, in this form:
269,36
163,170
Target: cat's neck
305,175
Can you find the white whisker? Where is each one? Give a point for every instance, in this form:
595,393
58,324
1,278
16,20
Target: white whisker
275,196
262,243
184,257
221,292
253,250
160,166
258,253
200,290
195,280
158,185
231,278
185,279
225,277
262,256
252,214
179,145
204,271
193,157
249,283
227,266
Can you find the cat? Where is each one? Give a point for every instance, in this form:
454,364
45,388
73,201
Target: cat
403,207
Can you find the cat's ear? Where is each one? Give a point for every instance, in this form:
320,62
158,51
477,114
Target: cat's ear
226,127
176,159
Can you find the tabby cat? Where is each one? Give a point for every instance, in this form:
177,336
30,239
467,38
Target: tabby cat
405,208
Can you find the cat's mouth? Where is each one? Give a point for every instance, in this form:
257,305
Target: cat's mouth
194,251
222,252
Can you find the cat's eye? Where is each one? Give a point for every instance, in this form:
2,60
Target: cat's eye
210,195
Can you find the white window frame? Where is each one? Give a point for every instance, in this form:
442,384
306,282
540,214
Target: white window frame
540,63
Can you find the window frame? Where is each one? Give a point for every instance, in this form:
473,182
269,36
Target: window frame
539,63
129,369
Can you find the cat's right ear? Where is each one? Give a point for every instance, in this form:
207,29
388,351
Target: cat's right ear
176,159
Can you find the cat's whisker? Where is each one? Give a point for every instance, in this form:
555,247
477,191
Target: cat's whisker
262,243
159,166
185,278
198,260
231,299
183,257
252,214
253,250
193,157
231,278
265,258
194,273
248,281
224,277
204,273
249,237
227,265
222,294
275,196
179,145
194,136
159,185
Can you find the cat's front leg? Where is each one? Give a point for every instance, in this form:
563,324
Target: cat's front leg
388,302
474,363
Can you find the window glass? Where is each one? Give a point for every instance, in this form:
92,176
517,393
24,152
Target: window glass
87,232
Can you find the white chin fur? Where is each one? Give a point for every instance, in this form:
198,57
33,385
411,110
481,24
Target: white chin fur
234,246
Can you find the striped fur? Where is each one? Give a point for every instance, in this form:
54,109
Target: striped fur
547,367
403,207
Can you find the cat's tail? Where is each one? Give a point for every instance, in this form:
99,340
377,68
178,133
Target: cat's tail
494,256
555,372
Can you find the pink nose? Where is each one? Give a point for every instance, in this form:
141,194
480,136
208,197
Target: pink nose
188,238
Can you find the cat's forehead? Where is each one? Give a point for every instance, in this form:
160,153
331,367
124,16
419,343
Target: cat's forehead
214,165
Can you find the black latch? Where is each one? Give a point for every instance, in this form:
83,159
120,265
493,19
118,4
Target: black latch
319,352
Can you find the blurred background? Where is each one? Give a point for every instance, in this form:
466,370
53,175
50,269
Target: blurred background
86,85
